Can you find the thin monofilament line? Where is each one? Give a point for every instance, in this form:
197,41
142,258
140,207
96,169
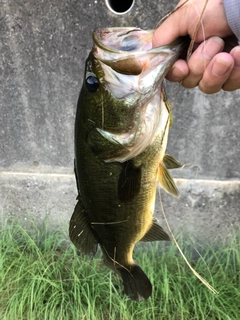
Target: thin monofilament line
191,45
211,278
180,250
167,15
190,48
106,223
102,114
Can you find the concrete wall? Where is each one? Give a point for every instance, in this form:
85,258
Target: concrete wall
43,46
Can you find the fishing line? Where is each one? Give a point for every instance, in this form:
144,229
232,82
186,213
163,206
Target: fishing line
180,250
167,15
113,222
189,52
191,45
190,48
102,113
210,273
115,261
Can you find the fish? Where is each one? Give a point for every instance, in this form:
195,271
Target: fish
121,131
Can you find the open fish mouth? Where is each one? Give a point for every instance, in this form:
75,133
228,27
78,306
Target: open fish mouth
133,71
123,39
129,51
122,42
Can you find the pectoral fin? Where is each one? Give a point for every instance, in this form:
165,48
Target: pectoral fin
170,162
129,182
155,233
104,145
81,232
166,181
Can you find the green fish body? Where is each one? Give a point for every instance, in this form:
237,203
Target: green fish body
121,132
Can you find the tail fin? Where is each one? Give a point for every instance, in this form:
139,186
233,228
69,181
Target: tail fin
136,284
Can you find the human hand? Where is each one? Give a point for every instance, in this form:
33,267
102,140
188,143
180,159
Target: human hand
208,67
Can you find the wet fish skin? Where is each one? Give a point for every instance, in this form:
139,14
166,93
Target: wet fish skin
116,172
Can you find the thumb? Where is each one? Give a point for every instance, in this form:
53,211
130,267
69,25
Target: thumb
172,28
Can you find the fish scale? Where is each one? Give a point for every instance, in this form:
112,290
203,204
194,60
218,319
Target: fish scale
121,131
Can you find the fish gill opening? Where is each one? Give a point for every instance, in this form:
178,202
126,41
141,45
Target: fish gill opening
120,7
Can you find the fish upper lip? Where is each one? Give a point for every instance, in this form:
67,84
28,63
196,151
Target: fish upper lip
96,35
97,40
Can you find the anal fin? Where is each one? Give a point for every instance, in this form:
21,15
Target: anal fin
155,233
81,232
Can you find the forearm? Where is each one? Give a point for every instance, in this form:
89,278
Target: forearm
232,10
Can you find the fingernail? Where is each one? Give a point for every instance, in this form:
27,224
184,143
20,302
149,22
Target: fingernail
212,46
236,56
220,67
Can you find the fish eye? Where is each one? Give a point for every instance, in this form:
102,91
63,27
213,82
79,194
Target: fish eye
92,83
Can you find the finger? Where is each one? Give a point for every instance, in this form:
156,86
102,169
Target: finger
233,82
172,28
200,59
178,71
217,73
159,39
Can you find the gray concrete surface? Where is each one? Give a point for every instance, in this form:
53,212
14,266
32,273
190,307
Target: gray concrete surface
43,46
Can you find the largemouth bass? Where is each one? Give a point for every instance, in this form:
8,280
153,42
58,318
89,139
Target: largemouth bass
121,131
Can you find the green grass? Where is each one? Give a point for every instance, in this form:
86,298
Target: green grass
43,277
